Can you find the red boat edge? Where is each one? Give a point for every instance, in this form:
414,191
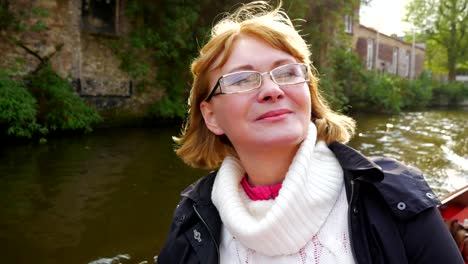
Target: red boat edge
454,210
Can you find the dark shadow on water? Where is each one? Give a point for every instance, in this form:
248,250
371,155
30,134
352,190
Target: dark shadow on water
80,198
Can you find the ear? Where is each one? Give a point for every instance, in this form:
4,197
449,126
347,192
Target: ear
210,118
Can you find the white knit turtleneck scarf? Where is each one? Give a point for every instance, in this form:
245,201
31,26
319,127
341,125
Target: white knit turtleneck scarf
307,221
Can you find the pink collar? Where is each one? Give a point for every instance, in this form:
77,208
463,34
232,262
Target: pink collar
260,193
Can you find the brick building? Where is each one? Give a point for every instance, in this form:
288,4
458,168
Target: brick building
385,53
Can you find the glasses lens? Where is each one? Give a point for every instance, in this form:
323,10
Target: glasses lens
240,81
290,74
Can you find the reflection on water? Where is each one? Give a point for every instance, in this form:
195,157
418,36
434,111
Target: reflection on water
110,195
82,198
115,260
436,142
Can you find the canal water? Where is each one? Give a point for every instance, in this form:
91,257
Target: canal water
111,194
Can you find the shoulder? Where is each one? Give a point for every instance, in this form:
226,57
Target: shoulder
404,188
179,242
200,191
414,203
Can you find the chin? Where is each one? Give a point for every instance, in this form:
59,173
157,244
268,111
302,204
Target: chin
285,139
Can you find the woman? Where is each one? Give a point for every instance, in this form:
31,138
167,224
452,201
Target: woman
287,189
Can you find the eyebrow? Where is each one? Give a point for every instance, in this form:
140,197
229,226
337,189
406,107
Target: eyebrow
250,67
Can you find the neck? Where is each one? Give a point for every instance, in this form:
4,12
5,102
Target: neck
268,166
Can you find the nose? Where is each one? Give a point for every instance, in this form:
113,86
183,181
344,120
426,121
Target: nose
269,91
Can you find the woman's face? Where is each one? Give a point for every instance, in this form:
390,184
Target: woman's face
260,119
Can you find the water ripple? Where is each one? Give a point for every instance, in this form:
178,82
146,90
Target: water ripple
433,141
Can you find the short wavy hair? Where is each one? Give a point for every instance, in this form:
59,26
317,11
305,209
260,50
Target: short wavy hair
201,148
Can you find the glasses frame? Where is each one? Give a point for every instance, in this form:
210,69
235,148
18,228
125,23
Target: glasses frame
218,83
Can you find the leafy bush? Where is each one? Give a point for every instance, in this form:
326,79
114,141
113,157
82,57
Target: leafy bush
416,93
348,82
332,90
59,107
452,92
167,108
349,74
18,108
383,93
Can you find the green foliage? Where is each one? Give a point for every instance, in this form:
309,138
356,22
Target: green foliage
349,85
18,21
348,74
164,34
167,108
436,58
446,24
60,109
332,93
39,11
38,26
417,93
46,104
323,26
452,92
462,68
18,108
383,93
333,90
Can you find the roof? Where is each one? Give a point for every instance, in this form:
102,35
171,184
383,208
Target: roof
420,46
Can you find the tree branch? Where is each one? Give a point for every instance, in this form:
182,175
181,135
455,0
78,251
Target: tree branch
28,50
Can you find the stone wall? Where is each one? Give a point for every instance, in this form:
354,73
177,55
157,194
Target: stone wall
53,31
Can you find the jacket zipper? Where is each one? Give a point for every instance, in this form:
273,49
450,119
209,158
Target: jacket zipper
209,230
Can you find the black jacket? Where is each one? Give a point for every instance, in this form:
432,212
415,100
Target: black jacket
392,217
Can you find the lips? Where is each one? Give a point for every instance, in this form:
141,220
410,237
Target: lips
274,113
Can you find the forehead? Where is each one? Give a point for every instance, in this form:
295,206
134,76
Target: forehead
249,53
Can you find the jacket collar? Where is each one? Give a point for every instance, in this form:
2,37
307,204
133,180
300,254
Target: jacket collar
200,191
358,165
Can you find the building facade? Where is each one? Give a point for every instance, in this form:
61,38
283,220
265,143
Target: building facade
386,54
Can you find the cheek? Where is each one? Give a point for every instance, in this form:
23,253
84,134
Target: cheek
231,113
302,98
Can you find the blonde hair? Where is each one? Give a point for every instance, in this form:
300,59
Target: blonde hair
201,148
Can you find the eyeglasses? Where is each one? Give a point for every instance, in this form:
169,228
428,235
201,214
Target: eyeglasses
246,81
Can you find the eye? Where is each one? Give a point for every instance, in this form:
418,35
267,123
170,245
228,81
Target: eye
240,79
289,73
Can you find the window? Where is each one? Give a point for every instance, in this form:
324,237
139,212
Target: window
370,53
348,24
100,16
406,63
395,60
